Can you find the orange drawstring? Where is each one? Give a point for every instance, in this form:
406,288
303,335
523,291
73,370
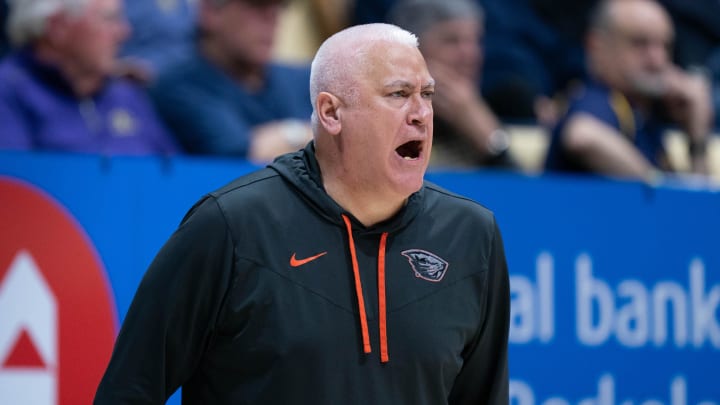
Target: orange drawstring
384,357
382,306
358,288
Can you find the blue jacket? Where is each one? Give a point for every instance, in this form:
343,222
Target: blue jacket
213,114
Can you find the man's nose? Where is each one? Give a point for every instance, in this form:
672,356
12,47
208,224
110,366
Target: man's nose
421,111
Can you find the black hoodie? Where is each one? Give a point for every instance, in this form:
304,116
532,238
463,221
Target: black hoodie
270,293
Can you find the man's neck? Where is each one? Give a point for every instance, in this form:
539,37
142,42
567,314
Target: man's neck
368,208
368,205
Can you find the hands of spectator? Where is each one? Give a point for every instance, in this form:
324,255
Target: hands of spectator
687,96
689,102
278,137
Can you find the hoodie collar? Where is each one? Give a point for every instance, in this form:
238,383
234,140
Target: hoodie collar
302,170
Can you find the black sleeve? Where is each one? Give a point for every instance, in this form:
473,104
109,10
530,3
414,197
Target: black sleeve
484,376
174,311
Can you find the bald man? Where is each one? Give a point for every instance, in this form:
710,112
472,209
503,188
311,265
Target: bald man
334,276
615,123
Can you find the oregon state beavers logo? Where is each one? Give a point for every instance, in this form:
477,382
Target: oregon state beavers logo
426,265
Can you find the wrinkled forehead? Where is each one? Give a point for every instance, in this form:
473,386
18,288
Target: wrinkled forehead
383,59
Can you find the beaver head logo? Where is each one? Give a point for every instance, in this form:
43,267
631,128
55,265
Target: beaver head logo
426,265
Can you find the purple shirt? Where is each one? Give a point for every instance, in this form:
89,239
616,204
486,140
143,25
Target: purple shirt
39,111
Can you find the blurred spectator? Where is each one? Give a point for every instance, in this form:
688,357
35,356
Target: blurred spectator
526,61
229,98
615,124
56,91
466,132
162,34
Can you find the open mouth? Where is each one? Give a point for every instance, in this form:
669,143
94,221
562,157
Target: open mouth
409,150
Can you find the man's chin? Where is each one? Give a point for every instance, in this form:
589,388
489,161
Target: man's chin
409,186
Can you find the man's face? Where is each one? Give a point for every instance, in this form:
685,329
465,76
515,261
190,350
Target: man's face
244,30
92,39
455,43
387,129
638,48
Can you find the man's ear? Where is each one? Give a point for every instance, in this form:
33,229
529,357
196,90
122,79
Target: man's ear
328,114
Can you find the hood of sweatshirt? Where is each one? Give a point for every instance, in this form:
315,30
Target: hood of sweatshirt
302,170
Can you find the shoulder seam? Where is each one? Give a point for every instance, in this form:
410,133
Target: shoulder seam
433,187
217,193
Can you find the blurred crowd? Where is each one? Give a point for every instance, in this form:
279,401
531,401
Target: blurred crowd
604,79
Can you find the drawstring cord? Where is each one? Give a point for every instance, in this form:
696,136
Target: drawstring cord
358,288
384,357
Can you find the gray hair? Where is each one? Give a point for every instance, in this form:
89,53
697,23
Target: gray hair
342,54
27,19
417,16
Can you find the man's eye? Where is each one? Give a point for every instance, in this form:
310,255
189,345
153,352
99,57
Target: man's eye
398,93
428,94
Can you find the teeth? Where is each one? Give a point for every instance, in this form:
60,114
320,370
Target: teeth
408,158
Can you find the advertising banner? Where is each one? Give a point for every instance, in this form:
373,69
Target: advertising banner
615,286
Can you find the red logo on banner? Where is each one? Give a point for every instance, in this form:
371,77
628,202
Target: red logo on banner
57,313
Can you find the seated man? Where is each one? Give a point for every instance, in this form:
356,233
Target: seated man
467,133
56,88
615,123
229,98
